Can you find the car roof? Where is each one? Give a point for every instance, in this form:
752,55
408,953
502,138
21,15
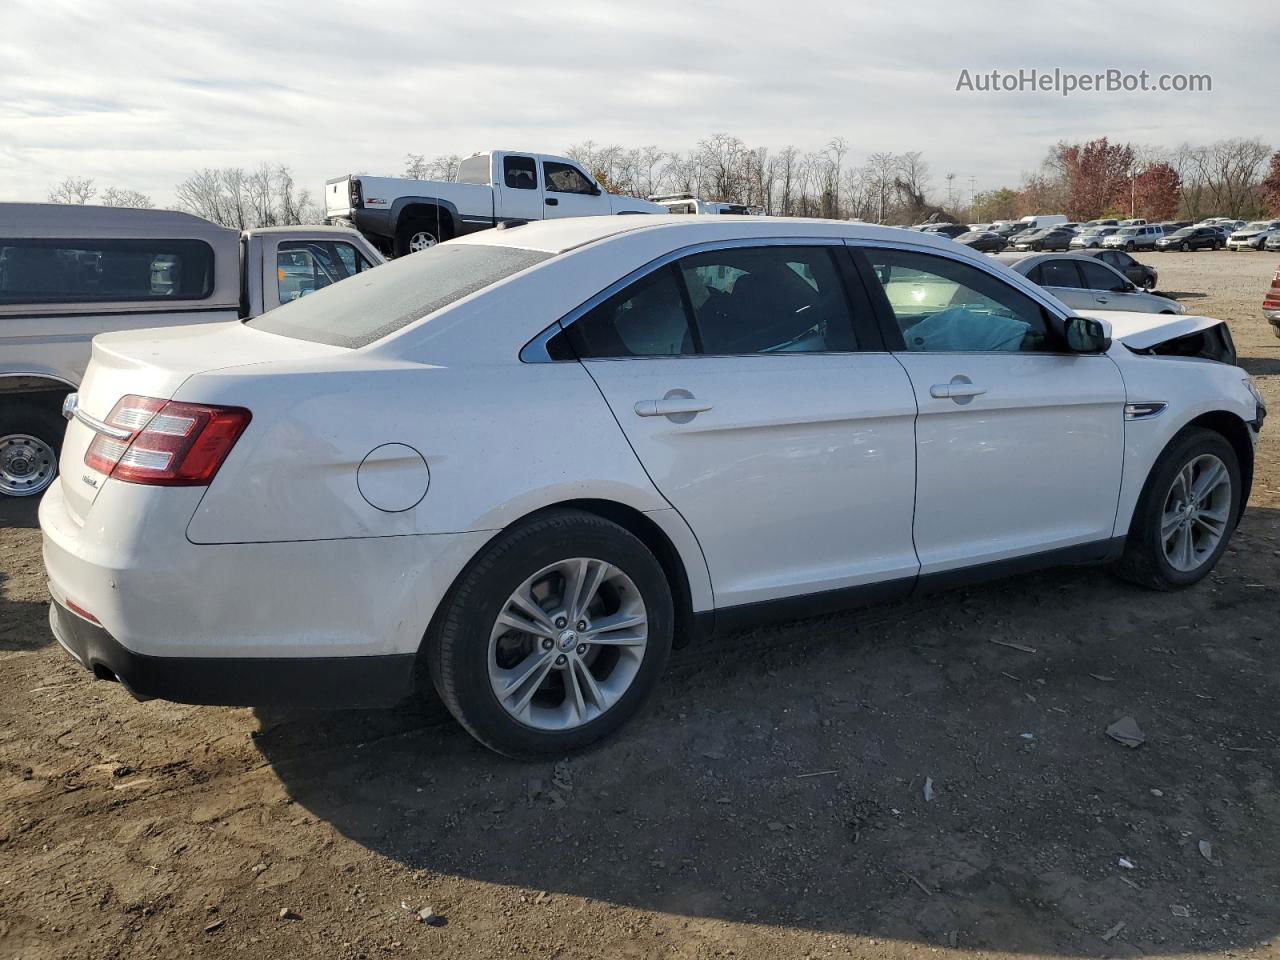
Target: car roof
1029,260
86,221
561,235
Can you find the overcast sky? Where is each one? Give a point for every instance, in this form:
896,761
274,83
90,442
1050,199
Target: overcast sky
138,94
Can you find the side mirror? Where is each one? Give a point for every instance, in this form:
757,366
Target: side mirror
1086,335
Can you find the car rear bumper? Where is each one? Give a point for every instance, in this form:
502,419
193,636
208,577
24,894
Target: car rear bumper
331,682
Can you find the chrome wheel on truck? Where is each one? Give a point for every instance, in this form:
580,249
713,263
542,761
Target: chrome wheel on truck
27,465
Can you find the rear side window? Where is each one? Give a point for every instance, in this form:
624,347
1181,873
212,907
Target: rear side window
379,302
519,173
1057,273
39,271
644,319
1098,277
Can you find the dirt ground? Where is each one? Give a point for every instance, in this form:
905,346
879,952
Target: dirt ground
771,803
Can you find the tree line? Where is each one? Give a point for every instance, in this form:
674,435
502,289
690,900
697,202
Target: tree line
1231,177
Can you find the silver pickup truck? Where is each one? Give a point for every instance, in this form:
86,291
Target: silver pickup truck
68,273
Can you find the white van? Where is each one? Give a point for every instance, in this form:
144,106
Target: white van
69,272
1040,221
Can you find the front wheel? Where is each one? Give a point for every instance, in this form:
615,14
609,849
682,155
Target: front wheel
1129,247
30,440
553,637
1186,513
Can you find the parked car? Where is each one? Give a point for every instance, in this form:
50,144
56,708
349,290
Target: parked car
1090,237
68,272
1085,283
1273,242
723,383
1271,304
1192,238
1007,228
402,216
1134,271
950,230
984,241
1048,238
1252,236
1110,222
1133,222
1142,237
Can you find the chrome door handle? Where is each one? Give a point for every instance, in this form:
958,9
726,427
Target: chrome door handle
671,407
957,389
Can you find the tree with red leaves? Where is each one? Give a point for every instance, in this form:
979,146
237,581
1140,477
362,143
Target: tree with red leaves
1271,187
1096,174
1156,192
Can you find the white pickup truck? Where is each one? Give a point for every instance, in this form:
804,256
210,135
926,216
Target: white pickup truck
68,273
401,215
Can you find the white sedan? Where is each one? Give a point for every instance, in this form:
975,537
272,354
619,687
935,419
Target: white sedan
520,464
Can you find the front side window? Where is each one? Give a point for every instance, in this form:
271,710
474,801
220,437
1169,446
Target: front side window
943,305
1098,277
519,173
565,178
40,271
305,266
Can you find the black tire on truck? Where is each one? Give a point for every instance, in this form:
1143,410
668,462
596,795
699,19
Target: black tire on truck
30,441
418,234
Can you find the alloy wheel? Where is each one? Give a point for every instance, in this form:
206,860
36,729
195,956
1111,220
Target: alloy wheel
567,644
27,465
422,240
1197,510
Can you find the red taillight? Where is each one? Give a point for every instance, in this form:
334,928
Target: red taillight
169,443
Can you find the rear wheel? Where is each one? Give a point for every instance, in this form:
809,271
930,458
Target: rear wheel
1148,283
554,637
416,235
30,440
1186,247
1186,513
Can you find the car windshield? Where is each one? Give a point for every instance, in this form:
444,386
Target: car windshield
367,307
1184,232
1128,231
1257,225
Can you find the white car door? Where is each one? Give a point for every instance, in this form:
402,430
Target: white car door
1018,446
737,375
567,192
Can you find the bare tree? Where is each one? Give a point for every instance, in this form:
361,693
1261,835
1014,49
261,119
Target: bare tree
73,190
234,198
117,197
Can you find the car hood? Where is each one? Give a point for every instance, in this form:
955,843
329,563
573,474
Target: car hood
1144,330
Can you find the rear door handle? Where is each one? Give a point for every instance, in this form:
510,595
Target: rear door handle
671,407
960,389
552,201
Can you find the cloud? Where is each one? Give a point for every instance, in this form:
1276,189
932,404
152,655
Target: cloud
137,94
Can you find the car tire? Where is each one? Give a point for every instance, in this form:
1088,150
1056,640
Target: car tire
1146,558
30,442
1148,283
415,235
472,655
1186,247
1129,247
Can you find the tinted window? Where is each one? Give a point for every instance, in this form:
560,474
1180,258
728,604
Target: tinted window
474,170
305,266
104,271
645,319
1058,273
948,306
366,309
563,178
768,300
1098,277
519,173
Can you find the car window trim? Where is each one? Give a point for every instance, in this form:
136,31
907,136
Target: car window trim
888,320
535,351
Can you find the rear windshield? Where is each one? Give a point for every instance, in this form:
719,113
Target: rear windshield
369,306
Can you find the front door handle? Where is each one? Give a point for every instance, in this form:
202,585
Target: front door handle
961,389
685,407
552,201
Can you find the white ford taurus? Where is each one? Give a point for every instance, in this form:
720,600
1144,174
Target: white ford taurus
521,463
